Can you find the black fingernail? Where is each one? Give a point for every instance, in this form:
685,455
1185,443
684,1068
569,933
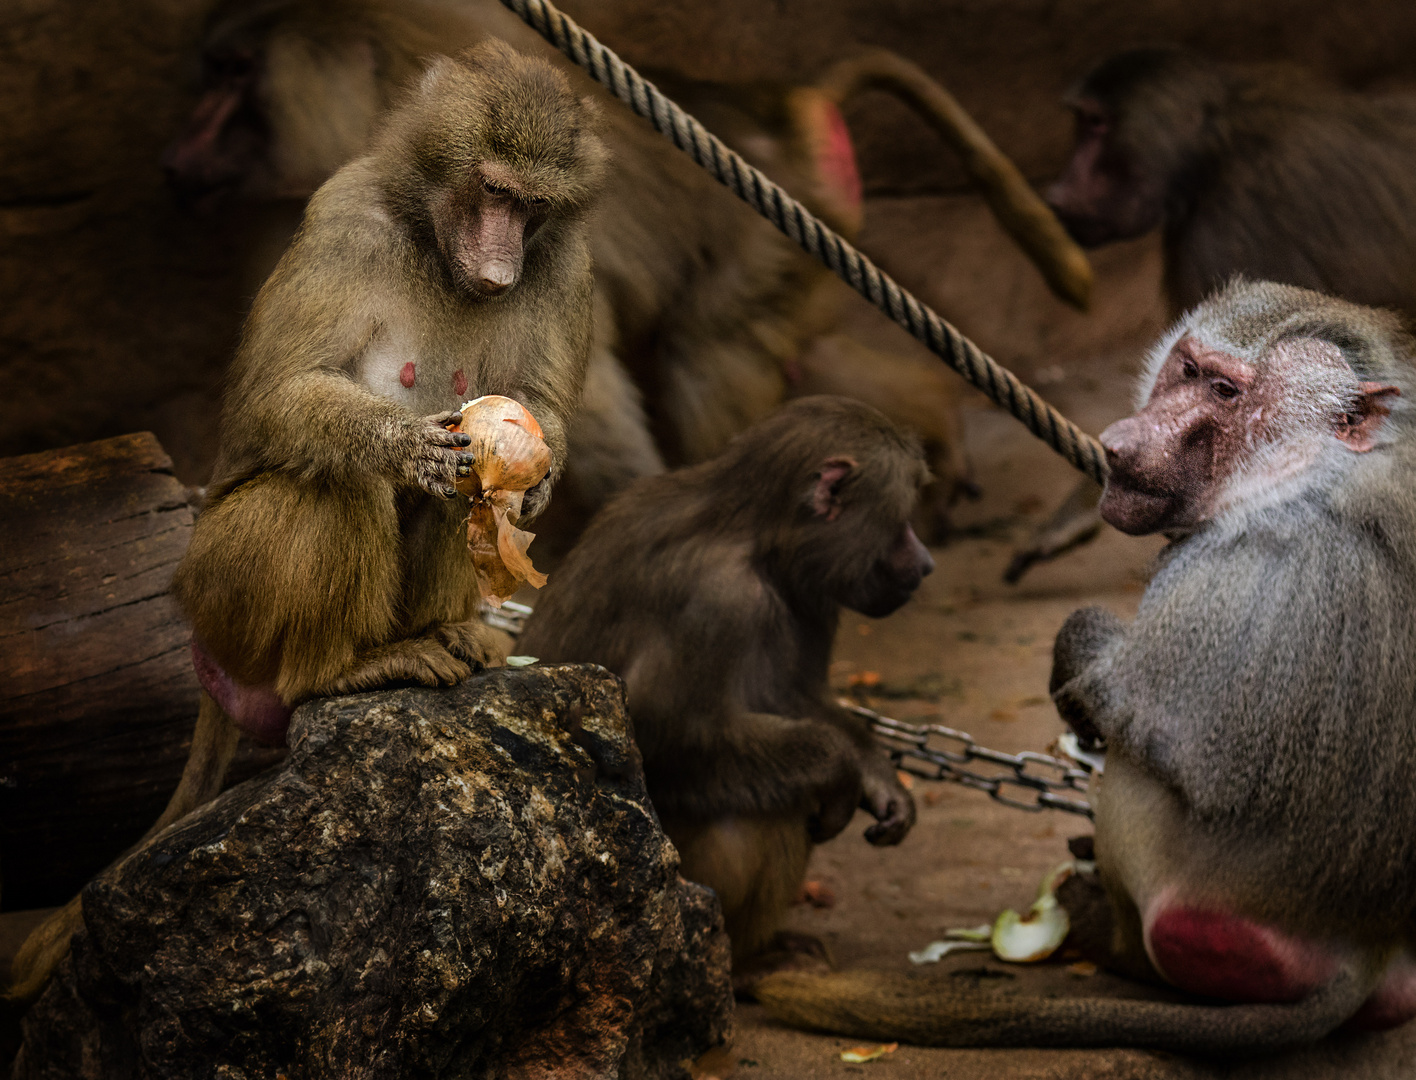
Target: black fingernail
464,470
467,459
462,440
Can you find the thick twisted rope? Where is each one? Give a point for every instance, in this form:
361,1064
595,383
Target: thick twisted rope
815,236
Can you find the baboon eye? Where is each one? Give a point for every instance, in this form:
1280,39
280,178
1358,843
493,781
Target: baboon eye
1189,367
1226,390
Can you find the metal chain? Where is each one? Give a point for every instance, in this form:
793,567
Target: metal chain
917,750
815,236
935,752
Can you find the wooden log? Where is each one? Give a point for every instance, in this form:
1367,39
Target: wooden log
97,693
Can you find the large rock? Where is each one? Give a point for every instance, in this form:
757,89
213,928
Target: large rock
459,883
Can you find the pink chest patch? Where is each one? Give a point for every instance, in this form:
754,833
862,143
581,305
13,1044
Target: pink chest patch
408,376
1220,954
836,158
459,382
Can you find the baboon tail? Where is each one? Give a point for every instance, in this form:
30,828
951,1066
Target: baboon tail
889,1007
41,952
1019,209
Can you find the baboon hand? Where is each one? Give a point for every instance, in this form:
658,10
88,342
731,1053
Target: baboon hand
536,499
436,459
884,796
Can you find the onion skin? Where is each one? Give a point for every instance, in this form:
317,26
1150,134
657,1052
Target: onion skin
511,457
507,443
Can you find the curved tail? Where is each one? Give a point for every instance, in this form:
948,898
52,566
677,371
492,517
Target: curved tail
1019,209
888,1007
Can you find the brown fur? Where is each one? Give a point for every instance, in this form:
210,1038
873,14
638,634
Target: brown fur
330,556
918,394
1273,655
714,591
1259,170
702,308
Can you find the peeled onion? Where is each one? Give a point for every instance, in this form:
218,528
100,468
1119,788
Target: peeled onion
1026,939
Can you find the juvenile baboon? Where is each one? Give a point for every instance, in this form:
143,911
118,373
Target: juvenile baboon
701,306
1273,656
1260,170
714,592
450,261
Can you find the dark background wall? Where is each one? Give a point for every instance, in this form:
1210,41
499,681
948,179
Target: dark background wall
118,310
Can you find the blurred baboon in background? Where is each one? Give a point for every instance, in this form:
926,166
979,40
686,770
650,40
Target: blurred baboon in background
702,309
1259,170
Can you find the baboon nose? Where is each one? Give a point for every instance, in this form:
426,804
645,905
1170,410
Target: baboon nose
496,275
1117,438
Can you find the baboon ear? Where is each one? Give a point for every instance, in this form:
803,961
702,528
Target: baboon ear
825,496
1359,425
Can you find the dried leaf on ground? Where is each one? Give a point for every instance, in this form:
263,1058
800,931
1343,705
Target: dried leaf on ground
857,1055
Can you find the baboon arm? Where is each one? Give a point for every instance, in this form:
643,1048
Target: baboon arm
318,422
1081,672
882,793
758,764
884,1006
1088,636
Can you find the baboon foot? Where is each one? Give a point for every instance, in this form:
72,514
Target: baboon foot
423,661
473,642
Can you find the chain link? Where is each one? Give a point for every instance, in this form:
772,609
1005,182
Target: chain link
936,752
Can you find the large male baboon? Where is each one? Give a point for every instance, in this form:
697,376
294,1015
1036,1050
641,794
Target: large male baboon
1273,658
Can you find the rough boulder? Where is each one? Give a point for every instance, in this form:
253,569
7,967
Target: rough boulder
459,883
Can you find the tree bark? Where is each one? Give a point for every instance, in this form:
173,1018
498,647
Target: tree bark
97,692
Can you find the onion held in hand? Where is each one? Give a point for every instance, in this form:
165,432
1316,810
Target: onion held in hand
511,457
507,443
